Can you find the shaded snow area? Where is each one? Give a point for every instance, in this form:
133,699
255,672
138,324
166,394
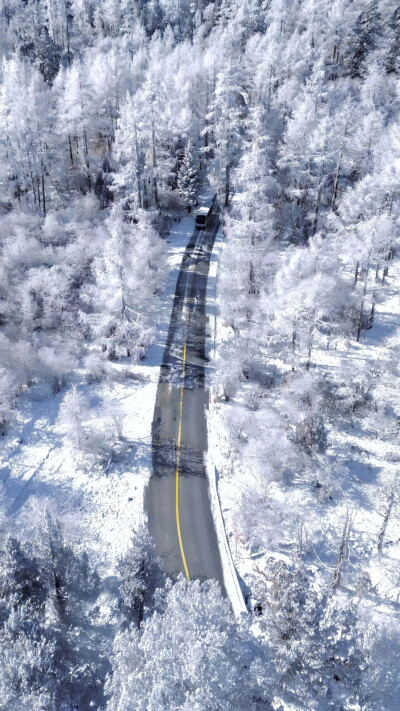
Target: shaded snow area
85,453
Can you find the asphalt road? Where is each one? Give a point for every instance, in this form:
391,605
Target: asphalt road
177,498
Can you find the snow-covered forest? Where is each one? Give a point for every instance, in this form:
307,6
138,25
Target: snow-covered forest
114,116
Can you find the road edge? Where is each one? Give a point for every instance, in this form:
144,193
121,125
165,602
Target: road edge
231,580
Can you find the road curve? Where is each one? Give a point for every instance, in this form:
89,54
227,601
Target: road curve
177,498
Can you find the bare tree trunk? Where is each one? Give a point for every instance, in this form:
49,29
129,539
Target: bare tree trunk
67,35
32,176
356,274
71,155
316,213
138,169
360,319
86,150
335,62
78,431
318,200
253,289
343,550
328,338
336,186
386,517
294,340
38,191
200,10
123,302
386,267
85,144
227,184
35,197
153,138
269,95
43,191
56,576
372,312
310,341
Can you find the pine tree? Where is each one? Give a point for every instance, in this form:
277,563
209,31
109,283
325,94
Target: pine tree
366,33
393,58
141,574
48,55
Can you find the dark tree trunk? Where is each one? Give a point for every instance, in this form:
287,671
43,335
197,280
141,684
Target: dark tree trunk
43,193
71,155
227,184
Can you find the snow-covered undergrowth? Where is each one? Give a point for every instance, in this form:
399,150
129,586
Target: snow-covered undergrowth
300,488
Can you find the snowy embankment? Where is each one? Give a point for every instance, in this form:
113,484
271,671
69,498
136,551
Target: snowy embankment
40,468
361,455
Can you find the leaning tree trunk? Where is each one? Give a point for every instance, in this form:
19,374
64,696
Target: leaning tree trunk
356,274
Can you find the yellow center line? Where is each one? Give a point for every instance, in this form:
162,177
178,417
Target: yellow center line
178,455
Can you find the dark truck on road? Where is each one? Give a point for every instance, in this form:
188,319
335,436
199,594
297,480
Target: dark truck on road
203,217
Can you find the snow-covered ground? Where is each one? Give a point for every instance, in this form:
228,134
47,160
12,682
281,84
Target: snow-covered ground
99,505
357,458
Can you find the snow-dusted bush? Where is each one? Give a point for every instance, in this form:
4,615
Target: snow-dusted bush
94,435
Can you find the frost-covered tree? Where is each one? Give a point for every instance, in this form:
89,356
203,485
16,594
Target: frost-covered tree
128,273
42,588
393,58
129,153
225,119
211,663
72,417
317,639
364,38
141,574
188,174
